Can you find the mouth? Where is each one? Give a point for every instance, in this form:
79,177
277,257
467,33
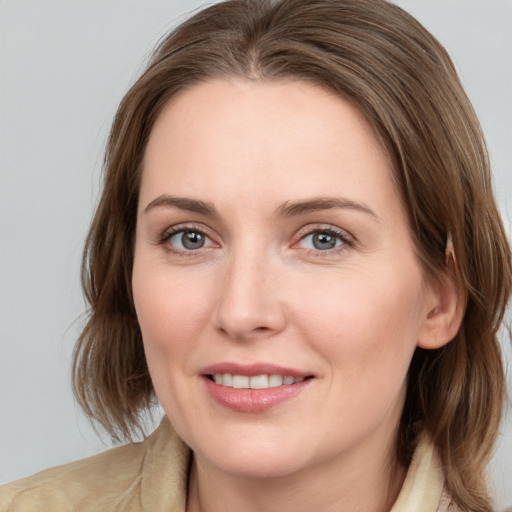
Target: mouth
263,381
254,388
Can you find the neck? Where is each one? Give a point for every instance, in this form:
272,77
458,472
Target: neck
349,484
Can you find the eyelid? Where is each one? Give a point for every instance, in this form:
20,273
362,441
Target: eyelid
329,228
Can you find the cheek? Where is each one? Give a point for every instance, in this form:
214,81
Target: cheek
171,311
369,325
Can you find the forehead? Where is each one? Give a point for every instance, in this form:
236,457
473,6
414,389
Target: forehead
280,139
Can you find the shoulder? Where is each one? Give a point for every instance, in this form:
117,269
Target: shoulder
113,480
65,487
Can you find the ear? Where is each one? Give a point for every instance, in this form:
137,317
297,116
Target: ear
445,304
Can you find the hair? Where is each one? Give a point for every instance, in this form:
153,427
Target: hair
377,56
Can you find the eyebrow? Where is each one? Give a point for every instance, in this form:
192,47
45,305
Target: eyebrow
182,203
288,209
298,208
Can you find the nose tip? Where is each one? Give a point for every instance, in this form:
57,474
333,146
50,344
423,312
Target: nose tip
249,304
241,323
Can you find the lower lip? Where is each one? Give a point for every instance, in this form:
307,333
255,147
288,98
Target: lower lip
253,400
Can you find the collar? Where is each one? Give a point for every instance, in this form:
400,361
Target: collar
424,482
167,461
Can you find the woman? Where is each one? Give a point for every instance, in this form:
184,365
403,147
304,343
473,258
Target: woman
297,251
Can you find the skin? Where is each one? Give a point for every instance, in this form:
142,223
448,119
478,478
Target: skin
258,291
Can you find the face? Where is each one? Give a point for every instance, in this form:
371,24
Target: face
275,281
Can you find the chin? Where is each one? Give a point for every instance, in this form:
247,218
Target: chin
253,456
259,464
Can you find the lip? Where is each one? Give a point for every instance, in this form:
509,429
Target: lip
253,400
251,370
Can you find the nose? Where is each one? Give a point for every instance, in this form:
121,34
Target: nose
249,304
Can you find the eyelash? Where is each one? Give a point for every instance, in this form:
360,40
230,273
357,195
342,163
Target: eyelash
175,230
347,241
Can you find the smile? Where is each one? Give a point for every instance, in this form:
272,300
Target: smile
254,389
255,381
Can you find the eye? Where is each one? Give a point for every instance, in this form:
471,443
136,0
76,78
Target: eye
187,240
324,240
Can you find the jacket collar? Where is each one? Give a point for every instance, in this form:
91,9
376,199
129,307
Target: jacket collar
167,461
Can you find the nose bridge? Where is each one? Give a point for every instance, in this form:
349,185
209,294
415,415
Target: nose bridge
249,293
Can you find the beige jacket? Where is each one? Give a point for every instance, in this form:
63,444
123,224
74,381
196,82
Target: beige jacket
152,477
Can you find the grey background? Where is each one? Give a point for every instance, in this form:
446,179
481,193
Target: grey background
64,66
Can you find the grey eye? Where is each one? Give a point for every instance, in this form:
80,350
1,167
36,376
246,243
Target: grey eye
192,240
324,241
189,240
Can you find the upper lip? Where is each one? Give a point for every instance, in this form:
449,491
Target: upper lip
252,370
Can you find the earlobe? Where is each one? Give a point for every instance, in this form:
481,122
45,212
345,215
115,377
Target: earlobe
445,307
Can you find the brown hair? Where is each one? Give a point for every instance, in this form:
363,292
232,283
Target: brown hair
380,58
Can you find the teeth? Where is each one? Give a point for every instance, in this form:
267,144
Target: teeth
275,380
240,381
255,382
258,382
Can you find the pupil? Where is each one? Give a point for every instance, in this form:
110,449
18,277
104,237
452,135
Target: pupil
192,240
324,241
